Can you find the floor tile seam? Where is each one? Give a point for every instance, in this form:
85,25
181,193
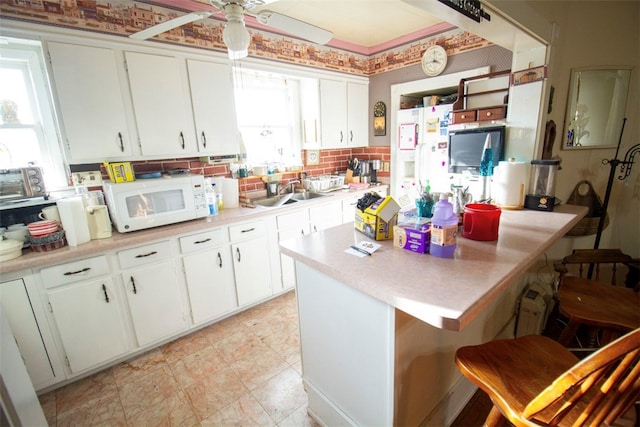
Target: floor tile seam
146,374
284,367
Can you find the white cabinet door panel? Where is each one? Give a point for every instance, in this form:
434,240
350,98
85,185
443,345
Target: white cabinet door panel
17,307
161,103
90,323
91,100
357,117
333,113
154,301
252,271
213,107
210,283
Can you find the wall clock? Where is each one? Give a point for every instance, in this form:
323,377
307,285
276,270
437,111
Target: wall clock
379,119
434,60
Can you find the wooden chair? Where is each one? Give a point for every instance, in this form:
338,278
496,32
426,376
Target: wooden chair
593,302
534,380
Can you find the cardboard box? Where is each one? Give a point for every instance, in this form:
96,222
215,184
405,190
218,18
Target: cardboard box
414,236
119,172
377,220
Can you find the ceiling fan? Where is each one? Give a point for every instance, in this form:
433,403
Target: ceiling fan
235,34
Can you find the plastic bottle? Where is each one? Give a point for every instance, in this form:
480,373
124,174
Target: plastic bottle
444,229
212,200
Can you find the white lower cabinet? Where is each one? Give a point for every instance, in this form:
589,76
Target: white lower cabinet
325,216
290,226
87,312
29,334
208,269
152,287
89,320
251,264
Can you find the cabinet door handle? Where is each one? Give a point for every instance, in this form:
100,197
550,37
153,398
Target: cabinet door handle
238,254
302,231
182,140
146,255
219,260
106,295
133,285
71,273
315,229
197,242
351,135
341,136
121,141
204,140
248,230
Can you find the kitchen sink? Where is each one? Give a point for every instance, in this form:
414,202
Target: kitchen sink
306,195
286,199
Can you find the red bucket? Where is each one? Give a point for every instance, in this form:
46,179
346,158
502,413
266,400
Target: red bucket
481,222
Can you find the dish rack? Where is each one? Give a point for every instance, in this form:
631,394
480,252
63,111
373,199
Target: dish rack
324,183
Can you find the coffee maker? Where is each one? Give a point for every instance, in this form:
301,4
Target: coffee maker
542,189
375,166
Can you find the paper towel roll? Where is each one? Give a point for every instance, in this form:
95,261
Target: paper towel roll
74,220
230,193
510,180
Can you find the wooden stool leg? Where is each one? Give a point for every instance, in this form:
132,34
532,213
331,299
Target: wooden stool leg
568,333
495,418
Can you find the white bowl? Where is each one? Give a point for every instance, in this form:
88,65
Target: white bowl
10,249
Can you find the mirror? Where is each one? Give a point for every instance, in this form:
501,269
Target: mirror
595,108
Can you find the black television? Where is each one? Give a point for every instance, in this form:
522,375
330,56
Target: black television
466,146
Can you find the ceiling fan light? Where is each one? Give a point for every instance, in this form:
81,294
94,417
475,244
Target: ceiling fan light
236,38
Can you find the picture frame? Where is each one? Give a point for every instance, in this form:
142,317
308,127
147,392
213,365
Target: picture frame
529,75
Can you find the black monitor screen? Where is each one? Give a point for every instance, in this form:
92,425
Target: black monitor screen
466,146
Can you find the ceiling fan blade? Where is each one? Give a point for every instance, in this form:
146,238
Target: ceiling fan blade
169,25
294,26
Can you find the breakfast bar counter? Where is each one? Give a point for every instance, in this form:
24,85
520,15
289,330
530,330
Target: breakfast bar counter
378,333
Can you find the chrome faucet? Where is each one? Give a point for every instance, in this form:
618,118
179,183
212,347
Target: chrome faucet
292,185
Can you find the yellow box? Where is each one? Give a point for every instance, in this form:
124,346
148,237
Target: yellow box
377,220
119,172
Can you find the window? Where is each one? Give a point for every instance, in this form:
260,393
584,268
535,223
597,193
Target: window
267,107
27,126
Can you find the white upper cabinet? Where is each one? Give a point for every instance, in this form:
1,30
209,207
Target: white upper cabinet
214,109
90,97
357,117
343,113
160,94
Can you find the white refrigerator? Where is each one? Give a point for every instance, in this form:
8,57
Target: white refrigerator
419,153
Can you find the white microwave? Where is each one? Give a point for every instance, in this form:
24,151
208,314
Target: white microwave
147,203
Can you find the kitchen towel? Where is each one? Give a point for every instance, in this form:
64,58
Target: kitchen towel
510,180
74,220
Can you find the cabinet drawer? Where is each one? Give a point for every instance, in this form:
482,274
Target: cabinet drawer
204,240
493,113
246,231
464,116
74,271
144,254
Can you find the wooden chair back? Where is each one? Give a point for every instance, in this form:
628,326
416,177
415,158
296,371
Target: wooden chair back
604,385
582,259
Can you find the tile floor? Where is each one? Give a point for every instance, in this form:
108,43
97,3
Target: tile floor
242,371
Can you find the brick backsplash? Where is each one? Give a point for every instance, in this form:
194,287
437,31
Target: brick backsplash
332,161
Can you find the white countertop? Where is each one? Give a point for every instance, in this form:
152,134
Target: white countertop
30,259
444,292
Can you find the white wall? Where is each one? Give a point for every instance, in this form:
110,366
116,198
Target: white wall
596,34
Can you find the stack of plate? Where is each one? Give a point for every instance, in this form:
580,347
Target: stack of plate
42,228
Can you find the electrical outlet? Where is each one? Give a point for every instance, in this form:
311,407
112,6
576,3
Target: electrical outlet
86,179
385,166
